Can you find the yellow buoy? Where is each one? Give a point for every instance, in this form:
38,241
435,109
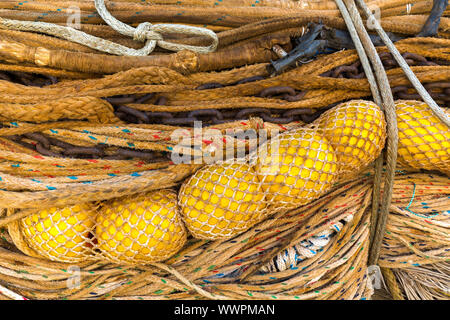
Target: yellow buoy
357,132
424,141
298,167
221,200
142,228
61,234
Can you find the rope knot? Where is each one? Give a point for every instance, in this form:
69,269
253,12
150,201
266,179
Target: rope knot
144,32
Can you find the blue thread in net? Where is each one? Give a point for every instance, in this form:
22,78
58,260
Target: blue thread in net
426,207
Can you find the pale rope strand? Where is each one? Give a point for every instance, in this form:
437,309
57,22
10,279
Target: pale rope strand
189,283
351,17
11,294
376,94
77,36
363,56
144,32
408,8
147,31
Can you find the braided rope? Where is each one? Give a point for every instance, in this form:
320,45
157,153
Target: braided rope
147,32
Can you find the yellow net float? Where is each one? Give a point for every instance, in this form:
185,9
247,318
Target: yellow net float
298,167
357,131
142,228
424,140
61,234
221,200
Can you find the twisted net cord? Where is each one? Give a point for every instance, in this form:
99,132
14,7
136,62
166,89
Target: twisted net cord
145,32
381,226
377,98
383,98
352,16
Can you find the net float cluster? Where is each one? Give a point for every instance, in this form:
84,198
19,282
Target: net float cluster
222,200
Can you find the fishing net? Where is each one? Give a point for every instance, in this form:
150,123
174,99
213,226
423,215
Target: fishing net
242,267
219,201
90,182
423,138
297,167
414,253
140,229
131,229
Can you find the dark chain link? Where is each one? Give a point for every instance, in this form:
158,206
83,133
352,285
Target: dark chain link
439,91
217,116
45,145
28,79
355,70
249,79
211,85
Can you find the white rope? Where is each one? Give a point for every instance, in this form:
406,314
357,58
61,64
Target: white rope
408,8
11,294
145,32
306,249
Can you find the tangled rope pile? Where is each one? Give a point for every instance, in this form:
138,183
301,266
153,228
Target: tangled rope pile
246,32
232,269
415,247
35,120
88,126
34,142
244,267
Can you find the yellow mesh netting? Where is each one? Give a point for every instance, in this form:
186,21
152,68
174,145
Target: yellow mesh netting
218,201
424,141
357,132
299,167
62,234
135,229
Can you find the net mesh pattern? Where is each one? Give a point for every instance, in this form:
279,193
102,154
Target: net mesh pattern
141,229
61,234
135,229
296,168
222,200
357,132
424,141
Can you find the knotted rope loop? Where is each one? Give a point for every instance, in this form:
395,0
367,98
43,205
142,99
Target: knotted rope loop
152,32
188,30
144,32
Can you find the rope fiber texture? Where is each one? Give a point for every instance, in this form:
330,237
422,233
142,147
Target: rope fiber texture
147,32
